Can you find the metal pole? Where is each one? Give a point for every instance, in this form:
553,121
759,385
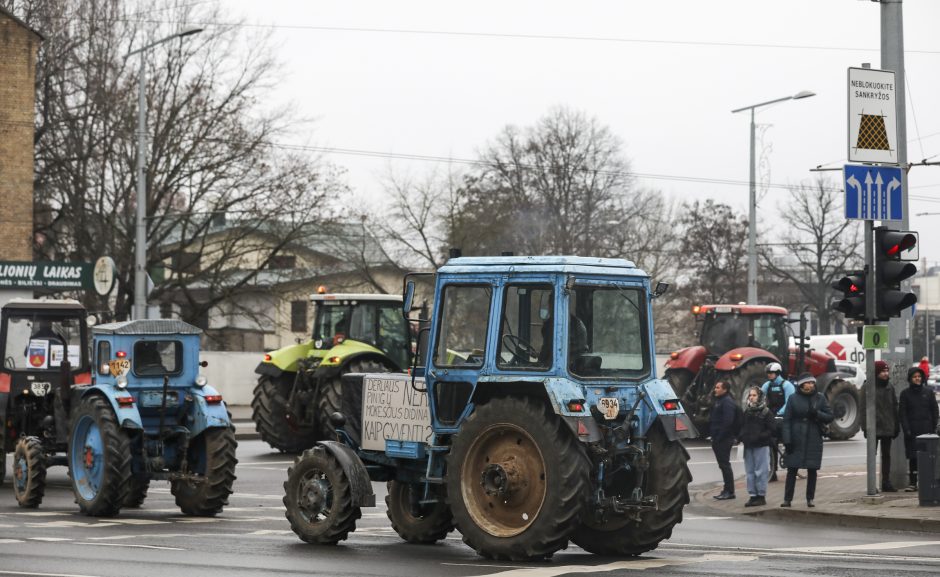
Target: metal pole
870,388
140,245
900,352
752,224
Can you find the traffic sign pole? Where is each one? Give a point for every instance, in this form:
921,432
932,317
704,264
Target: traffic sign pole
870,359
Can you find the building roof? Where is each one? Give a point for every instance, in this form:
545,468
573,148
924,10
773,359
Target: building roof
11,16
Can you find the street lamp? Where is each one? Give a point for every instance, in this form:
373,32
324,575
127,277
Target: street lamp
140,245
752,209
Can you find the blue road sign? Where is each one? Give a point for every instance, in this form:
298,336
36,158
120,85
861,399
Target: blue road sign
872,192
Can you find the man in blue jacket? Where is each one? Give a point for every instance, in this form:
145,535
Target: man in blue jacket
721,429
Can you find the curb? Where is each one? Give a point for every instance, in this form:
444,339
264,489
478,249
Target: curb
245,430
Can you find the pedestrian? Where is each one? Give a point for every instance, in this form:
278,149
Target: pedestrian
776,391
925,366
917,410
886,419
721,429
805,418
757,434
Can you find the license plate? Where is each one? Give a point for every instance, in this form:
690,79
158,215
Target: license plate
609,407
40,389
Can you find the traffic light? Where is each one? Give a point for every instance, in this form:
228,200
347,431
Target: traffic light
852,302
890,270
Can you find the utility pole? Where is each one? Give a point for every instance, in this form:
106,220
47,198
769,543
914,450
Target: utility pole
899,354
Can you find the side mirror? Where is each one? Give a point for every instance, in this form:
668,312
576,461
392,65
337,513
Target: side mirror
661,289
408,299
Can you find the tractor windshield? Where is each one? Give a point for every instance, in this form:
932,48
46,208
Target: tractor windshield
376,323
607,332
41,341
723,332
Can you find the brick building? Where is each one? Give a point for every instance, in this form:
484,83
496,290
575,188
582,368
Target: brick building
18,47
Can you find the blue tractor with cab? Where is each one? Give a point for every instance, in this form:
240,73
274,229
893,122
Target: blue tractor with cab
149,414
536,418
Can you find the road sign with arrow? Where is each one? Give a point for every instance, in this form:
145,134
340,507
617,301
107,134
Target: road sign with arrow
872,192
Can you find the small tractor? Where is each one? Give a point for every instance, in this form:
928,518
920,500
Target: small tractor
45,353
537,420
736,344
299,385
149,414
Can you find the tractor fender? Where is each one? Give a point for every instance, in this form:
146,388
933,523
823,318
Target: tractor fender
359,483
284,359
327,371
741,356
127,417
676,423
268,369
825,380
205,416
689,359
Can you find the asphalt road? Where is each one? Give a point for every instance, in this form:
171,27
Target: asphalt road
252,538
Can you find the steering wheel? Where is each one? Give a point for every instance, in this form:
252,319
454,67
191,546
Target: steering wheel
519,348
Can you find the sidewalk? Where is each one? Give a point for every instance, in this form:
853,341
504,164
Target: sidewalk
244,426
840,500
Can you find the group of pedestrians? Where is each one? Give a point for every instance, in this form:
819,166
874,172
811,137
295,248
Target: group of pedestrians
798,416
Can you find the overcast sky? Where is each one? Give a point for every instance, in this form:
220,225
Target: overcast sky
442,78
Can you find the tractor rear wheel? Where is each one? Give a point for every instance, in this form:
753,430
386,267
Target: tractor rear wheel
99,459
29,472
211,456
330,394
517,480
269,412
843,401
318,498
137,492
668,477
416,522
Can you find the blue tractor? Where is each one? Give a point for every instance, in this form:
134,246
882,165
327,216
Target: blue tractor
537,419
149,414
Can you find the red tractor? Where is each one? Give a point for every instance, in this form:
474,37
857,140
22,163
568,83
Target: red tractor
736,343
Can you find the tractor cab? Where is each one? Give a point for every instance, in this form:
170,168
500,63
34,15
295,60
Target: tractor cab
726,327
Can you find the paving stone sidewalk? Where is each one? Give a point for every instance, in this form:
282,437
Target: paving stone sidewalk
840,500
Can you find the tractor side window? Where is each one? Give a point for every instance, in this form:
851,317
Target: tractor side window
394,338
465,312
607,332
770,335
526,328
332,321
157,358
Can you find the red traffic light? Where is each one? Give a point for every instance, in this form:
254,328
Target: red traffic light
895,242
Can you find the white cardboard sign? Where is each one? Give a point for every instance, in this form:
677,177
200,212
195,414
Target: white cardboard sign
392,409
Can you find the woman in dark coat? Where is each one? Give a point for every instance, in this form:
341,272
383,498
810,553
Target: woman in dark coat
806,413
918,414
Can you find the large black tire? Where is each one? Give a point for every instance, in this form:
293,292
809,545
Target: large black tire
29,472
100,471
843,400
318,499
269,412
416,523
517,480
137,493
668,477
212,456
679,380
743,378
330,394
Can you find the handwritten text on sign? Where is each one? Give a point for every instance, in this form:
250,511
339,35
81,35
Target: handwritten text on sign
392,409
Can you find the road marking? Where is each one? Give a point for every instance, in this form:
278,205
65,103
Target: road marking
264,463
638,564
271,532
44,574
126,521
132,546
51,539
864,547
5,541
68,524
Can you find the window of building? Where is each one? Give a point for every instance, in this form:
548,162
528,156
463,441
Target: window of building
298,316
282,261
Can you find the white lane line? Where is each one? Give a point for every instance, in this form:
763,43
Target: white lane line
71,524
44,574
133,546
864,547
630,565
5,541
263,463
50,539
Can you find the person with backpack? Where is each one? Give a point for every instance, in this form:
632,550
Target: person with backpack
917,410
886,419
757,434
805,418
776,391
724,423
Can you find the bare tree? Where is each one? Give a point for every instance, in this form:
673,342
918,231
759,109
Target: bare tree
815,245
209,148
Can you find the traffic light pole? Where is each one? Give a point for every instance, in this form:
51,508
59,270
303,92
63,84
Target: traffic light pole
869,385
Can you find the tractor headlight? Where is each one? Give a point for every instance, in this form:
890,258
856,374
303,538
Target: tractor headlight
201,381
121,382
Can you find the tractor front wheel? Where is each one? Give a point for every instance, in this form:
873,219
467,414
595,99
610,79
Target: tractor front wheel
269,412
99,459
29,472
414,521
137,492
211,457
742,379
517,480
330,394
318,498
668,478
843,401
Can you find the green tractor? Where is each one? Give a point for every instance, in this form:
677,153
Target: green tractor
300,385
